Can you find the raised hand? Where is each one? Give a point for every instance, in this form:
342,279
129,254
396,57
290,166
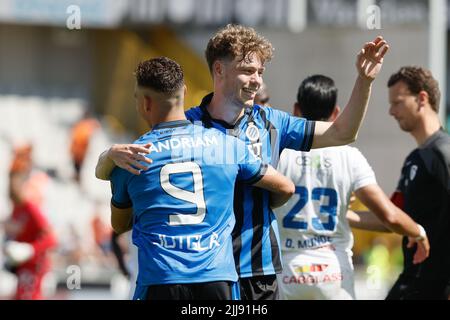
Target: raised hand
130,156
370,58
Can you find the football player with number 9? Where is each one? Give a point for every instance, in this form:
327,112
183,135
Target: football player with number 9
181,208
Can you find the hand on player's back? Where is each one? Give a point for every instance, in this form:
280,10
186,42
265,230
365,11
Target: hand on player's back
130,156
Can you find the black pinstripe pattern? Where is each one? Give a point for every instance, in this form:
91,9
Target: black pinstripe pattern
258,223
309,135
239,215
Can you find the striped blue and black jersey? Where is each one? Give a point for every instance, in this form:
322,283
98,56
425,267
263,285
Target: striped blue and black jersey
267,132
182,205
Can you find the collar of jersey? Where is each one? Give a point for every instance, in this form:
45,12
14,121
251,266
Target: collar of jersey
207,100
432,138
172,124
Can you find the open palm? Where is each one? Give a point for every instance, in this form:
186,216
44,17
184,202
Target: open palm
370,58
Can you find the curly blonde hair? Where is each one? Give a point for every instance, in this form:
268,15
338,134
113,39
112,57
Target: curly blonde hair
237,41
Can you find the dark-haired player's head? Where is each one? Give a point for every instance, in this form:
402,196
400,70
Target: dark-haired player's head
316,99
160,89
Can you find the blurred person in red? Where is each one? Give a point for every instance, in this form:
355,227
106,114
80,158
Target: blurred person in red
81,135
29,236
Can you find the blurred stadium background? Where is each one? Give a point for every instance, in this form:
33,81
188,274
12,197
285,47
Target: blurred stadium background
52,77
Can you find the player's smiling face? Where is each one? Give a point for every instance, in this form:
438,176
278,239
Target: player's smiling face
242,79
404,106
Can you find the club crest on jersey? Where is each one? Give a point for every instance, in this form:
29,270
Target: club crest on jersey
412,172
252,132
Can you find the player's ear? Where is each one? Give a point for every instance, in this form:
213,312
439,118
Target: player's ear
296,110
423,98
184,90
218,68
335,113
148,102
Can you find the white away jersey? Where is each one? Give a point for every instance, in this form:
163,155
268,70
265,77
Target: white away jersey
325,178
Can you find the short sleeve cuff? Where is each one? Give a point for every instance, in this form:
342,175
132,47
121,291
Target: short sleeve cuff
258,174
363,182
309,136
121,205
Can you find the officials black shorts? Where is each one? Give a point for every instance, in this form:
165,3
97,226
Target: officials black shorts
259,288
217,290
410,288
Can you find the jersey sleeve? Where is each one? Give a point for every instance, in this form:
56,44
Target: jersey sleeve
294,133
361,171
436,159
251,168
440,167
120,197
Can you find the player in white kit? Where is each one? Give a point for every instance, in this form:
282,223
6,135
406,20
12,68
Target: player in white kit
315,234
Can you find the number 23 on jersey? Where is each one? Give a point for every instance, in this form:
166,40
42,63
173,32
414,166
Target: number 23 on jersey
325,199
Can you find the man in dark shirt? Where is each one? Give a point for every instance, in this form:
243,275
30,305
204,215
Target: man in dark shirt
424,187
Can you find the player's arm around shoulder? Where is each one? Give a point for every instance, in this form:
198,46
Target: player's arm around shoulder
281,188
125,156
121,203
253,171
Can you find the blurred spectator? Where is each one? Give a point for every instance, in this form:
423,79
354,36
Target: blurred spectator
80,138
22,159
119,254
102,233
123,284
29,236
36,181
